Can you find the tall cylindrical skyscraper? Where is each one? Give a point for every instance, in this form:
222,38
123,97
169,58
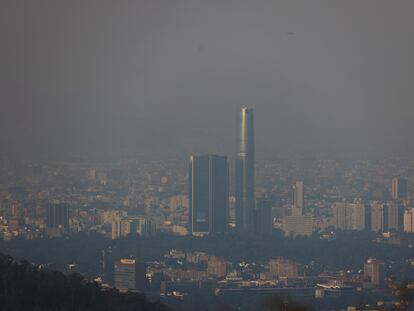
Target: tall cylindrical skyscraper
245,189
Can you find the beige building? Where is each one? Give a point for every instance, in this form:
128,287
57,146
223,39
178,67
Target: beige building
283,268
379,215
349,216
409,220
298,198
179,201
216,267
131,225
298,225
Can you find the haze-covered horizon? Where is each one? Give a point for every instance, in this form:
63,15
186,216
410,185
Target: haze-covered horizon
168,77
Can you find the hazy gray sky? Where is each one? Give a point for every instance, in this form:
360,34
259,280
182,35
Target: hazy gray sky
169,76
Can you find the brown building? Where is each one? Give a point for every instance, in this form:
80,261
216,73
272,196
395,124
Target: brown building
372,273
216,267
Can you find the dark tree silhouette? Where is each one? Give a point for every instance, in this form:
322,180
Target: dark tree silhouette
24,287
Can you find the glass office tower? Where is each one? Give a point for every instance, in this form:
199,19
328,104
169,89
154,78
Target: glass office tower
209,195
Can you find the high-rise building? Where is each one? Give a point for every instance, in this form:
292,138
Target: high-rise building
379,217
125,226
57,215
409,220
216,266
209,196
108,262
368,214
340,216
263,217
129,274
399,188
349,216
245,173
358,216
283,268
372,272
146,227
298,198
395,217
122,227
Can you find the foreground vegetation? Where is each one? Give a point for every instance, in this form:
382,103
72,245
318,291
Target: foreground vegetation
24,287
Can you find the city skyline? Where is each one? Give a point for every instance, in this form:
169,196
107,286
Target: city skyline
196,155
